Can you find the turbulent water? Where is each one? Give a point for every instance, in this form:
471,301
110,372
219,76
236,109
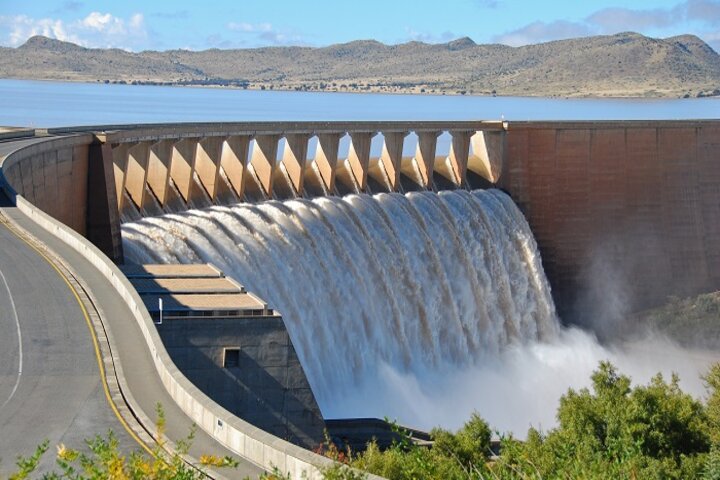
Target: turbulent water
421,307
419,281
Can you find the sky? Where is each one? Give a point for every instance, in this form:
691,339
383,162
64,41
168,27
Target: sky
196,25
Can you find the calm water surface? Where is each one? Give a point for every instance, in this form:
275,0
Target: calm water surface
53,104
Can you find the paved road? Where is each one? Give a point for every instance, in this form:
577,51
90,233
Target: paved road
49,382
67,403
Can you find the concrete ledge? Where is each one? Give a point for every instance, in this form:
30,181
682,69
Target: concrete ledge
140,132
593,124
15,133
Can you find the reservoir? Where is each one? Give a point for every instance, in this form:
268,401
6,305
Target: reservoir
58,104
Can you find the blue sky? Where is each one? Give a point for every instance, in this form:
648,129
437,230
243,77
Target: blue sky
160,25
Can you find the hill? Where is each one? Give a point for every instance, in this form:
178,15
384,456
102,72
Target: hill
692,321
626,64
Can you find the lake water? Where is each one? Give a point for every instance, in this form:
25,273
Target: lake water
55,104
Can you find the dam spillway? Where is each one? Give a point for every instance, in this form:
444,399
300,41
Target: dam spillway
422,282
625,213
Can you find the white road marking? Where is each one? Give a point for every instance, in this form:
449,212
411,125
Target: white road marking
19,334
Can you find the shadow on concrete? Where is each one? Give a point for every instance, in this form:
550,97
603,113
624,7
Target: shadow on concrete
6,202
267,388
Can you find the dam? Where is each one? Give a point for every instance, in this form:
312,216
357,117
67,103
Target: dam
365,297
637,199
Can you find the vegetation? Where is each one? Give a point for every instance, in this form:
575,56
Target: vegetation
622,65
612,430
103,460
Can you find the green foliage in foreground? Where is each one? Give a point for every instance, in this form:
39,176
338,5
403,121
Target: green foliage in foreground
103,460
611,431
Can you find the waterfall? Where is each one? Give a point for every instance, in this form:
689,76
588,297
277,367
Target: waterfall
423,282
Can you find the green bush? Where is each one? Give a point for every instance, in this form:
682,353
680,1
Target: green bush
609,431
104,460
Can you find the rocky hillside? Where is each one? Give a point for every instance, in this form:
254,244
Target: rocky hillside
626,64
692,321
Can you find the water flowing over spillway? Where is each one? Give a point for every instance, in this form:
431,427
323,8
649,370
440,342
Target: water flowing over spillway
423,283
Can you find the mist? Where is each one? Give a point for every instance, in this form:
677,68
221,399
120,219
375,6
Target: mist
519,388
426,307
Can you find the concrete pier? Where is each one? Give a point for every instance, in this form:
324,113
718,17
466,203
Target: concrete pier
206,165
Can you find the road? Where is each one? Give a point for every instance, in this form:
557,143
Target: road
58,394
49,382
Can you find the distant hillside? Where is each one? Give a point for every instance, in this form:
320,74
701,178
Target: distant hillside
626,64
692,321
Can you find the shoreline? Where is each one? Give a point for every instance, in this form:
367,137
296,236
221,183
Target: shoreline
372,90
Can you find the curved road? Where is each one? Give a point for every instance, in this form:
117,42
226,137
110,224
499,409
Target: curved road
58,393
49,382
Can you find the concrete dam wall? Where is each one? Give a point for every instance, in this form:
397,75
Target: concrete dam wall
626,211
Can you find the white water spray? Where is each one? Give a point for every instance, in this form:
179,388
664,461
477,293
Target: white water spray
421,307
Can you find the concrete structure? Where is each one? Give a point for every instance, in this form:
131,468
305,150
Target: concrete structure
625,213
232,347
47,363
631,203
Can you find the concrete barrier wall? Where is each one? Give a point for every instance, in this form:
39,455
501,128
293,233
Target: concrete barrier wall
625,213
53,175
239,436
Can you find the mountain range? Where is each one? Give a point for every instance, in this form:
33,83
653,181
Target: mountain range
621,65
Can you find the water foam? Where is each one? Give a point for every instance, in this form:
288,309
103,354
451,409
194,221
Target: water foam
421,306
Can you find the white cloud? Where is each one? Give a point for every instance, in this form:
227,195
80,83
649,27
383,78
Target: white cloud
537,32
618,19
21,27
262,34
250,27
69,6
137,21
704,14
707,11
104,23
425,37
95,30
